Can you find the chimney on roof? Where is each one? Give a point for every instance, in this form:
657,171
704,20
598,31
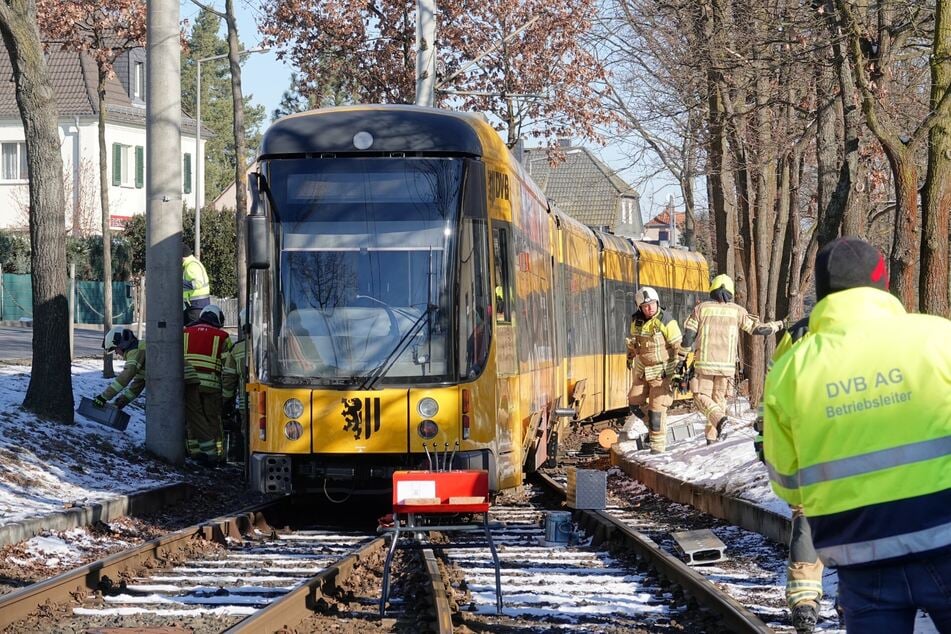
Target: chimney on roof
673,220
519,151
564,142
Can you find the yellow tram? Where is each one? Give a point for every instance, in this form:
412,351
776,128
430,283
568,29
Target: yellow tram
413,296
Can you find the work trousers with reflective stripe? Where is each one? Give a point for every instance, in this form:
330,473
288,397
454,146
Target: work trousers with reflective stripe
709,395
658,396
804,572
203,422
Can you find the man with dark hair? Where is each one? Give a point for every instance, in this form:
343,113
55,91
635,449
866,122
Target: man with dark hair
859,435
196,291
713,329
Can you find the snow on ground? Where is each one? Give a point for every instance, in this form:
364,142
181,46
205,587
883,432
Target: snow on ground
729,466
47,466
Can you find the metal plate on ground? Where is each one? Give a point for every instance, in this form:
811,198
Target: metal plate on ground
700,547
680,430
587,488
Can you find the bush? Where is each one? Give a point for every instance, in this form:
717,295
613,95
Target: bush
14,253
218,247
86,253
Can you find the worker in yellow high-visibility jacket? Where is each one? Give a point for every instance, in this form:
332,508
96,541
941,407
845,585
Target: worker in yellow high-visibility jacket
858,432
196,291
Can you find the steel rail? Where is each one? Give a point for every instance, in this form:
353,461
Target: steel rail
291,610
439,592
607,528
76,583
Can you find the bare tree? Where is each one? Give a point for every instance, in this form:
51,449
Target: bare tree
50,390
240,168
873,55
105,29
933,290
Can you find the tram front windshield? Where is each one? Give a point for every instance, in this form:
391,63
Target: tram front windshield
364,247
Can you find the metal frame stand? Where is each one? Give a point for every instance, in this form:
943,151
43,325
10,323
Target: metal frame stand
412,531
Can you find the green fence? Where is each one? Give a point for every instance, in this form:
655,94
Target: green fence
16,300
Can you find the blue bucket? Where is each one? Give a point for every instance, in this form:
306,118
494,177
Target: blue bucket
558,527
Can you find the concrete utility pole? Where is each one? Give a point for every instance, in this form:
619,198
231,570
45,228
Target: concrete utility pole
165,411
425,53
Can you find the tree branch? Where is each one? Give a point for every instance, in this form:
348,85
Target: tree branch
209,8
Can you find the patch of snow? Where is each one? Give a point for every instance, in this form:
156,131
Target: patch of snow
730,466
47,466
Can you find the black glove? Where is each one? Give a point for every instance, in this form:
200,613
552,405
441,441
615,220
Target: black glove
120,401
682,368
99,401
227,408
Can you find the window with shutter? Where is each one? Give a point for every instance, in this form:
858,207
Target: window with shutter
116,164
187,173
139,166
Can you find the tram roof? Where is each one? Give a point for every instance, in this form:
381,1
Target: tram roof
394,128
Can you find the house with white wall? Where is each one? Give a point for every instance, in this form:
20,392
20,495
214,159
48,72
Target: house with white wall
74,82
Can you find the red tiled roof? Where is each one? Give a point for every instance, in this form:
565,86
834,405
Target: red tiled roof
663,219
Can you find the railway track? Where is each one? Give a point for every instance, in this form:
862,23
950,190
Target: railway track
232,573
616,526
592,586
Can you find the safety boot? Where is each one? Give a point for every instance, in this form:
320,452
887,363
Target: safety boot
720,424
804,617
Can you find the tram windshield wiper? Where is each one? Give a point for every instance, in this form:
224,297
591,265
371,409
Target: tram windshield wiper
380,371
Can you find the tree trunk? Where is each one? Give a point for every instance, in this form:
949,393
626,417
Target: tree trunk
723,210
827,155
851,194
240,151
905,241
50,392
936,198
107,370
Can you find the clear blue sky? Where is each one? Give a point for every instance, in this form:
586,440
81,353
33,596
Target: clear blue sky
265,79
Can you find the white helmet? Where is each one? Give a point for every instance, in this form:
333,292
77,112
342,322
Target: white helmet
212,311
119,337
646,294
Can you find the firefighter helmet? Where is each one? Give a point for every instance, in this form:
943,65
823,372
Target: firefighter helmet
724,282
119,337
212,312
646,294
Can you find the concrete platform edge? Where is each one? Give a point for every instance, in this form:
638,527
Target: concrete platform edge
105,511
733,510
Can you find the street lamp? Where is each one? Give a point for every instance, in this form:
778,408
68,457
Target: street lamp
199,162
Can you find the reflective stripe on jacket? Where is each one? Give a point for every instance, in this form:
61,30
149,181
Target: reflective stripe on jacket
653,344
717,327
860,435
194,280
205,347
234,373
131,381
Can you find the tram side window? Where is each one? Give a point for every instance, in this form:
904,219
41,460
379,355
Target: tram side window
503,276
474,282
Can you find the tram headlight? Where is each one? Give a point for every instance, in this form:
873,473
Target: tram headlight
293,408
293,430
427,429
427,407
